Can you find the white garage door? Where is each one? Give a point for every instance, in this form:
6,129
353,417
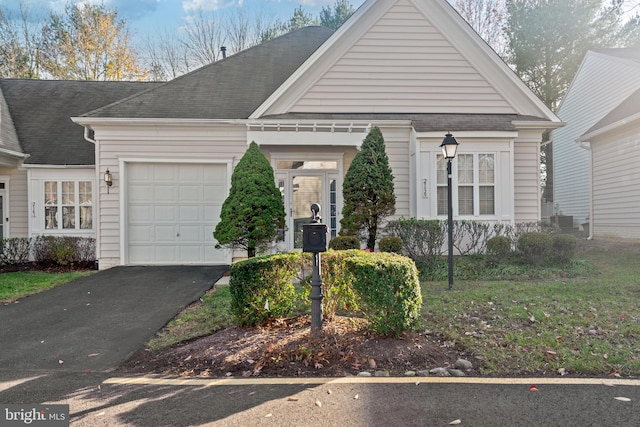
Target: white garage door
172,210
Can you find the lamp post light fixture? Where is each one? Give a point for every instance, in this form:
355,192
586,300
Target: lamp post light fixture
449,147
108,179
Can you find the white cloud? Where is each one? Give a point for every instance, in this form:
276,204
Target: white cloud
189,5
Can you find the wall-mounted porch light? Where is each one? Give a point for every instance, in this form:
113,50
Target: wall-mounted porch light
108,179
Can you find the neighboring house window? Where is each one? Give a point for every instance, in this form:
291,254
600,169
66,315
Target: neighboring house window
73,199
473,184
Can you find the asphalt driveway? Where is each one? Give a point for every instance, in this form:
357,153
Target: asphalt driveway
97,322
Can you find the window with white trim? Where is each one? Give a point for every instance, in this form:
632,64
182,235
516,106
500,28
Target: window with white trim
473,184
68,205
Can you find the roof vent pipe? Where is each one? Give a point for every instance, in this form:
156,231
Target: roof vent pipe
224,52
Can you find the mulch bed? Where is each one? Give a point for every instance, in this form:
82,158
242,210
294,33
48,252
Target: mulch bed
288,349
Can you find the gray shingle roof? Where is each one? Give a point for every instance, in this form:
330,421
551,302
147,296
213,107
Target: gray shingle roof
228,89
426,122
42,109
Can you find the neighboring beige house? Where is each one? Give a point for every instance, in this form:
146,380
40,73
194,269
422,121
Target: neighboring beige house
614,152
47,173
604,80
414,68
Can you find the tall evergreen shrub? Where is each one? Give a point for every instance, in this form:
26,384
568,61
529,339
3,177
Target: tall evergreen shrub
253,212
368,189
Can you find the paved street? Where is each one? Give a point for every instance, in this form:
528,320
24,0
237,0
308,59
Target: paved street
101,399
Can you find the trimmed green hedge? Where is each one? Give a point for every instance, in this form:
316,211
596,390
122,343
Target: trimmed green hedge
390,244
384,287
342,243
388,290
535,247
262,288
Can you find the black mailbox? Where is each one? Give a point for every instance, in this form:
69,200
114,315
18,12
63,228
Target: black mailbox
314,235
314,238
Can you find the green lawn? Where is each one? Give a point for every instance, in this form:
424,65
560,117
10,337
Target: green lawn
20,284
578,326
540,324
197,320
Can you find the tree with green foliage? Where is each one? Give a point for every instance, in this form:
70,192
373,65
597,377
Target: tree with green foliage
89,42
299,19
548,40
368,189
334,17
253,213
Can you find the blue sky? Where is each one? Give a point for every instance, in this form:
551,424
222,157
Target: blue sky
148,16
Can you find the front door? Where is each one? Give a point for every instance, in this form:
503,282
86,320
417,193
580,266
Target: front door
300,189
307,189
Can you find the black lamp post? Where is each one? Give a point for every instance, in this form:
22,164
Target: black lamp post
449,147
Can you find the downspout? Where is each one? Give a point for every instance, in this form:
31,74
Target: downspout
587,146
86,135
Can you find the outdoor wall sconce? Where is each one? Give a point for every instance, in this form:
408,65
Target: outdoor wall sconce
108,179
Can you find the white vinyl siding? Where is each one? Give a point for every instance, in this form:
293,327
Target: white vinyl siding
602,83
16,193
223,143
402,64
396,141
527,181
616,185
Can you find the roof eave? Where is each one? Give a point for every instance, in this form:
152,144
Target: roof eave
538,124
605,129
91,121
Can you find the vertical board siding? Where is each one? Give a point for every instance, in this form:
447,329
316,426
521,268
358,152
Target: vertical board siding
602,84
526,182
403,65
219,143
616,186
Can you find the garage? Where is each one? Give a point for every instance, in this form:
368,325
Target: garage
171,212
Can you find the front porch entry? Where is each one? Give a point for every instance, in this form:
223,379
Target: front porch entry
303,182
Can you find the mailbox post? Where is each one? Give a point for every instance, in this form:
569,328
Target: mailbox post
314,240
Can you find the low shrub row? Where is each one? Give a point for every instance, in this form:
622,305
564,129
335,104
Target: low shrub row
424,241
64,251
383,287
